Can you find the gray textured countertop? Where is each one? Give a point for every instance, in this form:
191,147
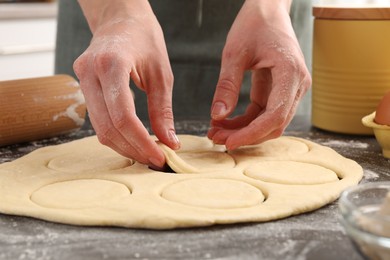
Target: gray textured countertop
315,235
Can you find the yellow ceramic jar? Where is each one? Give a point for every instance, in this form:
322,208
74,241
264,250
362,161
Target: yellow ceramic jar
351,66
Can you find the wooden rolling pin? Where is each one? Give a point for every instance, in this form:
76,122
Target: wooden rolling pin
37,108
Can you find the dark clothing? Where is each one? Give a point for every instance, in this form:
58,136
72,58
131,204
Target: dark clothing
195,32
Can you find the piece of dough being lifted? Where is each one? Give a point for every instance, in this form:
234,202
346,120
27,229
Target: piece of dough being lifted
86,183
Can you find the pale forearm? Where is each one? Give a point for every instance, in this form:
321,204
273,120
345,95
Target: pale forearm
101,12
269,9
269,13
272,4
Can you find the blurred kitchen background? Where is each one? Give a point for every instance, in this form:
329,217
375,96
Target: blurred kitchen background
28,29
27,38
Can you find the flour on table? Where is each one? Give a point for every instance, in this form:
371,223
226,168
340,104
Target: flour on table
349,144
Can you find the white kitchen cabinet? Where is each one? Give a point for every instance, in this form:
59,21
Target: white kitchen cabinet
27,40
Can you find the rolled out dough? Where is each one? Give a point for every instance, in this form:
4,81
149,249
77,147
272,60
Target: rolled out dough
85,183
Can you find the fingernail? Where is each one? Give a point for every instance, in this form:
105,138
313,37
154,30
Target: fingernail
219,110
174,139
155,162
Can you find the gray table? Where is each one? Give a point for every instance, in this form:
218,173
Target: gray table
315,235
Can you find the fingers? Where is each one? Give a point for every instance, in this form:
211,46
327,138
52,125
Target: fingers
112,113
159,94
258,125
100,120
262,84
228,87
272,122
114,78
104,71
220,130
279,80
261,87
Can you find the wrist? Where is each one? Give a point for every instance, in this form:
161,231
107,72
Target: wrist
102,12
270,6
270,12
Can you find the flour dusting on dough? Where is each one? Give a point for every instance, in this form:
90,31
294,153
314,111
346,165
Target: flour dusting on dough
46,183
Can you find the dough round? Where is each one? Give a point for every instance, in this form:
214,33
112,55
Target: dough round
213,193
86,183
290,172
89,163
195,143
79,194
197,161
283,146
197,154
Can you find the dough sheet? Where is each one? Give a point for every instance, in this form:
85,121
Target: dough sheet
86,183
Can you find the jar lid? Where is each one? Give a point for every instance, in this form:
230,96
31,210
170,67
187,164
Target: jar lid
352,13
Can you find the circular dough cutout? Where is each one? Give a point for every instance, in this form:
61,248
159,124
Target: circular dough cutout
197,143
274,148
89,162
213,193
166,201
79,194
291,173
208,161
197,161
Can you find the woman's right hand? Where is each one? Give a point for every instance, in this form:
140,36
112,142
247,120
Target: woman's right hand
127,43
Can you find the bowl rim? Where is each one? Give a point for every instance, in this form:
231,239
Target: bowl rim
344,202
358,235
347,207
368,121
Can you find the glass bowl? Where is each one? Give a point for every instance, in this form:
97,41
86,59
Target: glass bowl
366,218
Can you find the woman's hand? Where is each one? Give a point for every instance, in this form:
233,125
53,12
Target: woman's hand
127,43
261,40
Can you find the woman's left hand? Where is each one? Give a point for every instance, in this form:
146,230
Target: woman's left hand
263,41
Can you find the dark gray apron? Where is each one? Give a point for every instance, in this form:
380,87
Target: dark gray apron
195,32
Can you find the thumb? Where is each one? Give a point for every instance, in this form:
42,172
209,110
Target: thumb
228,87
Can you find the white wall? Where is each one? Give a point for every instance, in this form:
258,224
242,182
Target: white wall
27,43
